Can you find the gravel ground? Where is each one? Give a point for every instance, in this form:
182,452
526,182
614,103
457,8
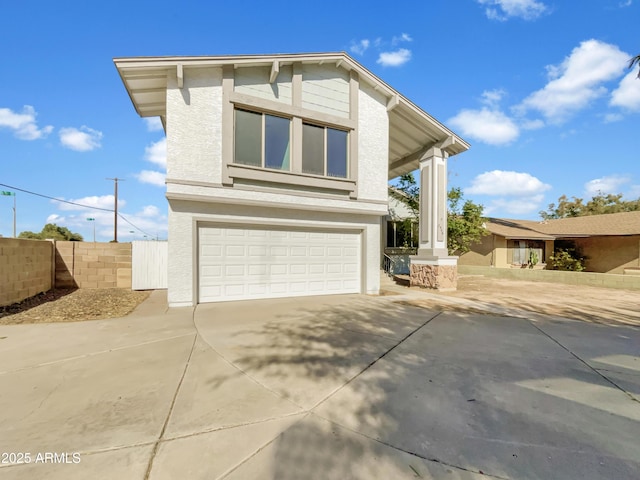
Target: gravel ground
590,304
73,305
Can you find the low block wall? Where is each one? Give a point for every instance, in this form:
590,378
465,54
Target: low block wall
93,265
608,280
26,268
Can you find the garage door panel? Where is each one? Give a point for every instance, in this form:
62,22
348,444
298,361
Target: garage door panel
300,269
257,270
238,263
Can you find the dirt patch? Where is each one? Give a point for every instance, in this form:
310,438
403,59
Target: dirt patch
73,305
592,304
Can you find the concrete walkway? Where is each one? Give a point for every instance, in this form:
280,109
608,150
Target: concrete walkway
325,387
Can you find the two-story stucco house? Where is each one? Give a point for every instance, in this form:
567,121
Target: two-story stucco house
277,171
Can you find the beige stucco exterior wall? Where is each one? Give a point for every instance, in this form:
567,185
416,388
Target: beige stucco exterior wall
480,254
500,252
491,251
373,145
26,268
548,250
610,254
194,126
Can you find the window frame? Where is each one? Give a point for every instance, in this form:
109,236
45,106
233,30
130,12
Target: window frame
325,147
263,139
264,178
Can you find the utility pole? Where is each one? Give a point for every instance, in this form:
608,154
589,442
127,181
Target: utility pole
115,208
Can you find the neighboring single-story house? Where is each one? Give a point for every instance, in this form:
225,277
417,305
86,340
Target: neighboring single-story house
277,173
610,243
509,244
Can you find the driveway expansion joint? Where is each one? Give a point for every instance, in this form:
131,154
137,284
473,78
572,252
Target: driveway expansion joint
386,352
173,402
412,453
587,364
92,354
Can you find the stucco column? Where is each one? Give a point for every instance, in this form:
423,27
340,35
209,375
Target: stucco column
432,267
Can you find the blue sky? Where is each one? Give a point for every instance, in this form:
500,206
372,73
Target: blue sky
539,88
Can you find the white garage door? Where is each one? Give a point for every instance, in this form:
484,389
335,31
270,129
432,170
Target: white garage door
240,263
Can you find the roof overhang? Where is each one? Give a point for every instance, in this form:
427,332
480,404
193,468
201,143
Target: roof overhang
412,131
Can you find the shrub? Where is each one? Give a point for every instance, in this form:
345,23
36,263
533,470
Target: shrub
567,259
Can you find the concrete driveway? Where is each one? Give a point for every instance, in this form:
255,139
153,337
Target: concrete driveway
326,387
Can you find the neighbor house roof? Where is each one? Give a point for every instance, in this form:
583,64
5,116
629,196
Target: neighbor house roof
412,131
512,229
624,223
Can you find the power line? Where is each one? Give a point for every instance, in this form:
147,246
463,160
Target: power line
56,199
77,205
137,228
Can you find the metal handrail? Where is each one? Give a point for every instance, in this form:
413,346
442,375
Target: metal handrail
388,264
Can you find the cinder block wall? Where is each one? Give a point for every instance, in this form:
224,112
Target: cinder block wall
93,265
26,268
631,282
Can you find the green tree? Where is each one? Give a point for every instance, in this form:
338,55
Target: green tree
465,224
598,205
407,191
53,231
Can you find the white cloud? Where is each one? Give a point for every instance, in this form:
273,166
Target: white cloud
83,139
627,95
157,153
154,124
394,59
608,184
359,47
487,125
55,218
517,193
532,124
404,37
577,81
625,3
152,177
150,211
103,201
502,10
492,98
515,206
23,124
507,183
613,117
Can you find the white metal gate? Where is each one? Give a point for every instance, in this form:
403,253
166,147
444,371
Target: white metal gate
148,265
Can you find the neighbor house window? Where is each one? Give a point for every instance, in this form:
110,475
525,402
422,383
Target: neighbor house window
324,151
402,234
520,250
262,140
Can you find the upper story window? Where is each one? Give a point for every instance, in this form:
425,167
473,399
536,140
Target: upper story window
262,140
324,151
